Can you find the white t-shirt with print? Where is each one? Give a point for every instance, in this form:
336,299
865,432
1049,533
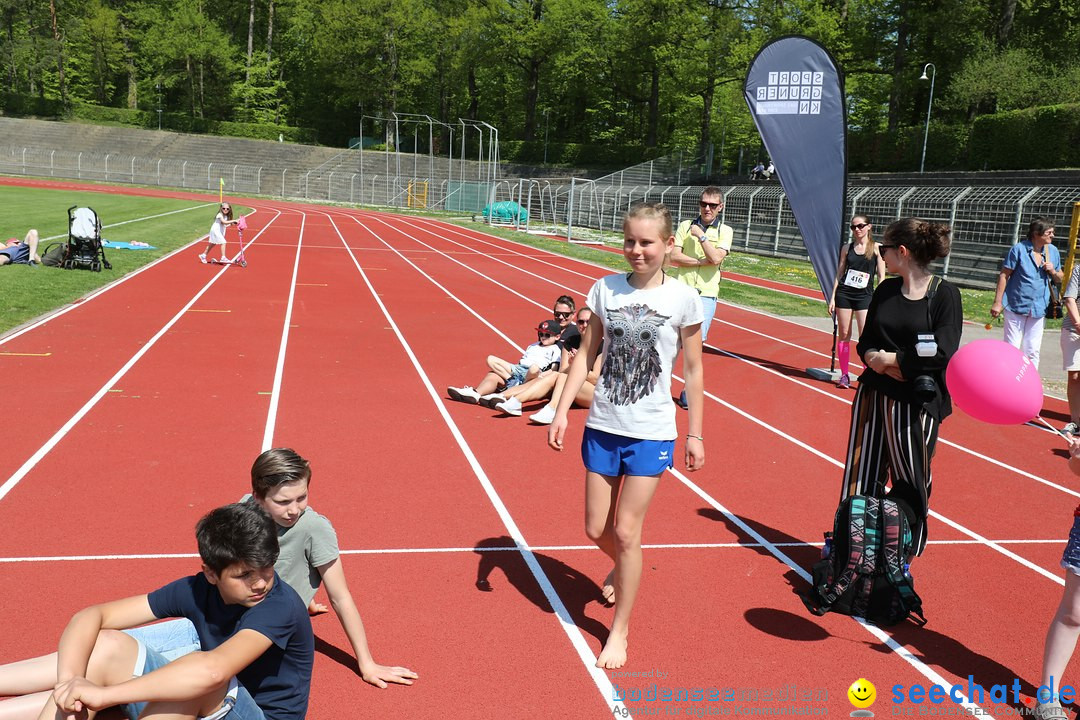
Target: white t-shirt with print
541,355
641,341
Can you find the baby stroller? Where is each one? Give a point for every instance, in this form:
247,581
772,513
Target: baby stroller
84,241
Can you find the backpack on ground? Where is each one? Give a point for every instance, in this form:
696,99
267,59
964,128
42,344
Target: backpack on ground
865,572
54,254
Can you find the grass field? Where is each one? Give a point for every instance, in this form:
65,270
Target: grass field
164,223
168,224
801,273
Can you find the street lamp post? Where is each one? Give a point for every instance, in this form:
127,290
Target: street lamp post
159,106
926,132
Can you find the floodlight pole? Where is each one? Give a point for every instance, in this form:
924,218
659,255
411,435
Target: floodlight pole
493,151
926,132
462,149
397,146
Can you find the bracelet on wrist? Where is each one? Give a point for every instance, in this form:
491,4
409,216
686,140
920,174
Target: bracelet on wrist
697,437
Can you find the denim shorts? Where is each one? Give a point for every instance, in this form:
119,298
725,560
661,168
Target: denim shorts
614,455
238,704
171,638
517,377
1070,559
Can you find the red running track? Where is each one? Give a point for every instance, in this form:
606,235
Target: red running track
339,340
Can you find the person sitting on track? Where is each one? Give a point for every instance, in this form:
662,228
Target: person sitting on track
510,401
254,629
309,553
21,252
541,358
563,312
308,558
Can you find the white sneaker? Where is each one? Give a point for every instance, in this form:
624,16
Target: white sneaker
202,258
464,394
544,416
491,400
510,407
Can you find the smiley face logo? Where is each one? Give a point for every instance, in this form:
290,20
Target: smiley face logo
862,693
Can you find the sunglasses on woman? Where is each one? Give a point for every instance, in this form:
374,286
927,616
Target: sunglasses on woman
562,315
859,226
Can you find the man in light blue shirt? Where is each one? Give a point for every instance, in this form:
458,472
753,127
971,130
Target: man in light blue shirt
1023,287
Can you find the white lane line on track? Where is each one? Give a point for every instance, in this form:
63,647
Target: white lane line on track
916,663
135,220
508,548
969,451
941,440
773,549
59,435
573,632
451,295
100,291
279,368
903,652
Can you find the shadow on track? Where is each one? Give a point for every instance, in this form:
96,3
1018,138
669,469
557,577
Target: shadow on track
932,647
575,589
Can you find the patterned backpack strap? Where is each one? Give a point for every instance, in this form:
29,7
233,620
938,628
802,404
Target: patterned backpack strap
897,540
861,602
856,543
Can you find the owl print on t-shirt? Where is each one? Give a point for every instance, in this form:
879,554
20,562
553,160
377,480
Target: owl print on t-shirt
632,365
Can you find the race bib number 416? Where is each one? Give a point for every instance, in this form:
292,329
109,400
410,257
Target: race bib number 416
856,279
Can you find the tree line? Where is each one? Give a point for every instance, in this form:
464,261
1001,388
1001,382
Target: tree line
654,73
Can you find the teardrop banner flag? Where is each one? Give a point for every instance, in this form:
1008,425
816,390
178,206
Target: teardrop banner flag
796,97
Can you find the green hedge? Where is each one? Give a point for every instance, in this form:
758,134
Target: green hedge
946,149
181,122
576,154
18,104
1040,137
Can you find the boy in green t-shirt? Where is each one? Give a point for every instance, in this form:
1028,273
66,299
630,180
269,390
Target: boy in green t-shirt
309,553
308,558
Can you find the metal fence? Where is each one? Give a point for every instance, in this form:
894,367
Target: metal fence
985,220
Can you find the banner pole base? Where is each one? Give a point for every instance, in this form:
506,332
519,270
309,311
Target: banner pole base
828,375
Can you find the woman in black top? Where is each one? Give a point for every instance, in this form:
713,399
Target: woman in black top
912,329
860,264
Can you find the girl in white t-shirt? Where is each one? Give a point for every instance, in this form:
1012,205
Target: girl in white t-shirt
630,432
217,232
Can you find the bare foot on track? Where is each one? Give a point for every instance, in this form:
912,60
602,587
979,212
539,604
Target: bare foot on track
613,655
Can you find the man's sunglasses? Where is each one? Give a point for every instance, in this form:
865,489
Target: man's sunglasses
562,315
711,206
859,226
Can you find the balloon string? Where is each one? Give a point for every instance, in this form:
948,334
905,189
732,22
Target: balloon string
1054,429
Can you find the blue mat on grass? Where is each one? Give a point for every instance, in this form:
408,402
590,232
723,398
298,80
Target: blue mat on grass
125,246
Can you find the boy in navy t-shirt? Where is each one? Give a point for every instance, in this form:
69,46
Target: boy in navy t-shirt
257,643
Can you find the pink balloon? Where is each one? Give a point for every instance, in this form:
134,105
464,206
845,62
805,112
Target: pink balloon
992,381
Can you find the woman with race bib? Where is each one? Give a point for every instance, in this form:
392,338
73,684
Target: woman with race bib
860,263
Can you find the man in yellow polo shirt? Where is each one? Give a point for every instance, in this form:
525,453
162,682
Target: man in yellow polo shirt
701,245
